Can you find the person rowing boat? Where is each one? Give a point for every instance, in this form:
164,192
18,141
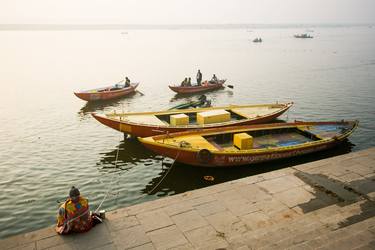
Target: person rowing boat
214,80
127,82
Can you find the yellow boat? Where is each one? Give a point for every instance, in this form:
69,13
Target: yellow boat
242,145
144,124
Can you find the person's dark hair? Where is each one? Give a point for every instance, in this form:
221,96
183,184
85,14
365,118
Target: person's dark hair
74,192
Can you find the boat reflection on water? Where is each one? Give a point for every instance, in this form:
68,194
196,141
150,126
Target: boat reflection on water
123,180
194,178
90,107
130,154
221,94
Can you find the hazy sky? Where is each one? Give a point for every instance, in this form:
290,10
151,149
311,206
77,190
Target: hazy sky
186,11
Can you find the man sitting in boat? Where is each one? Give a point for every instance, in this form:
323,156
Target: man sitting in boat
74,214
184,82
188,82
127,82
214,79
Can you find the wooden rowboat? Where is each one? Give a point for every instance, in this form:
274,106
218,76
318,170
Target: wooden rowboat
206,86
153,123
106,93
220,147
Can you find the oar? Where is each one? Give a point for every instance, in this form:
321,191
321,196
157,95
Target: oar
228,85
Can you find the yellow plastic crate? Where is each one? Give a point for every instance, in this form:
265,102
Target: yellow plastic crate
213,116
180,119
243,141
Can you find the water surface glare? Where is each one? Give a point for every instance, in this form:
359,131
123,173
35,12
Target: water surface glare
49,141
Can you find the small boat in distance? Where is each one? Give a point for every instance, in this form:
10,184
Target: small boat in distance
243,145
257,40
106,93
153,123
205,86
303,36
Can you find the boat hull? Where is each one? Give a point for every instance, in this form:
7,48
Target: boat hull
99,94
197,89
144,130
194,157
233,160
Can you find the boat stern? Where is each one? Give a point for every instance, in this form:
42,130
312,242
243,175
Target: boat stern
83,96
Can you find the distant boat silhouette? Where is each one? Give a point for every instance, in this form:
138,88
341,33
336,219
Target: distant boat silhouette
303,36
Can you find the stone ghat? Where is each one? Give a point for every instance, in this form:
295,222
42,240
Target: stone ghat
326,204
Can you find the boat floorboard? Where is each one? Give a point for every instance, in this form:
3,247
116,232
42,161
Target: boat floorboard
279,140
145,119
286,138
252,112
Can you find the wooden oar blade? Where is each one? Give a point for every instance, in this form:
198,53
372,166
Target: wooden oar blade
230,86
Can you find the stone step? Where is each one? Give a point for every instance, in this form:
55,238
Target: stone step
343,233
354,240
350,237
298,236
268,236
308,227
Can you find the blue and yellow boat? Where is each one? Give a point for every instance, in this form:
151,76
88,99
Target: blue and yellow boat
243,145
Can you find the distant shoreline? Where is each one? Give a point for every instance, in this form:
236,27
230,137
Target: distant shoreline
169,27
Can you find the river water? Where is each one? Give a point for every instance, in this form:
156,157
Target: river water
49,141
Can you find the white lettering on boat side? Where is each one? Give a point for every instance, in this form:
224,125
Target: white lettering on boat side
271,156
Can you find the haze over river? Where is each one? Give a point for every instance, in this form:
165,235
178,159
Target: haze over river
49,140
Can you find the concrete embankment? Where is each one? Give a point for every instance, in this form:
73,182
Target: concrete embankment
326,204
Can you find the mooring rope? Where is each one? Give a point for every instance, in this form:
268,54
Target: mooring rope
110,187
111,182
74,218
153,189
105,196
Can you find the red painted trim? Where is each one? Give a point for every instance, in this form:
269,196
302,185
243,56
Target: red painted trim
196,89
143,130
106,95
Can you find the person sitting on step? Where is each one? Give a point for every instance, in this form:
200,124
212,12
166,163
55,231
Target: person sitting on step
74,215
